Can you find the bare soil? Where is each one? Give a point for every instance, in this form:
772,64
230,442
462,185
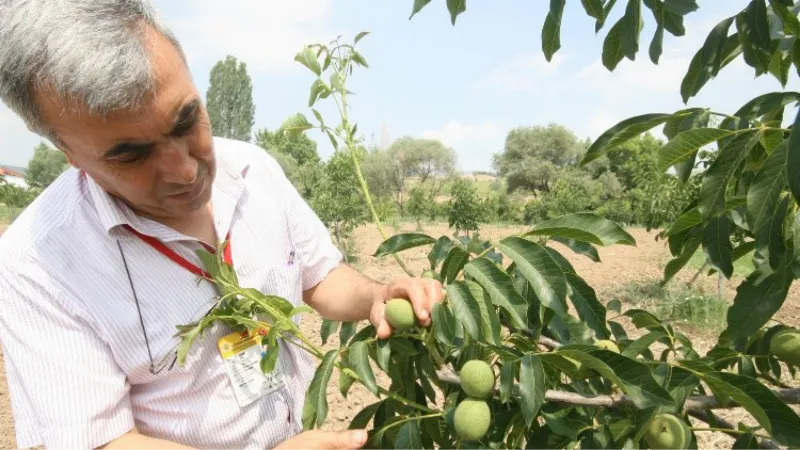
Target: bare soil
621,265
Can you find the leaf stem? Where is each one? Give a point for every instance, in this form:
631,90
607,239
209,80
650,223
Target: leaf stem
728,430
409,419
359,175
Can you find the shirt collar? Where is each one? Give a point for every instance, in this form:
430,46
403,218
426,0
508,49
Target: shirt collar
227,190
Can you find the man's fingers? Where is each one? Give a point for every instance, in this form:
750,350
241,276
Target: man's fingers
351,439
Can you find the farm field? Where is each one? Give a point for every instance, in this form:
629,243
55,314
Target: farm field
641,265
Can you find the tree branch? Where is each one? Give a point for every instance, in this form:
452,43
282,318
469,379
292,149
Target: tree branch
695,403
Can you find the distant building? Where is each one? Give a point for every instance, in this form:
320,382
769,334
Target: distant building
13,175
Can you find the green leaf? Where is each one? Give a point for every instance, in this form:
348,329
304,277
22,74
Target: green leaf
400,242
688,142
717,244
273,350
612,46
766,103
456,7
643,343
455,261
765,189
444,324
778,419
360,36
490,322
796,261
540,269
551,31
643,319
501,289
791,25
363,417
418,5
465,308
623,132
359,59
699,74
532,387
409,436
586,227
328,328
685,221
757,299
688,250
347,331
756,54
316,395
717,177
633,377
770,244
579,247
599,23
506,381
317,88
714,46
359,359
308,58
793,160
657,44
629,33
345,383
745,441
296,124
439,251
590,310
594,8
681,7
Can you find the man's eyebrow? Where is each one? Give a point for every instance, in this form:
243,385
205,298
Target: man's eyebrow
185,114
127,147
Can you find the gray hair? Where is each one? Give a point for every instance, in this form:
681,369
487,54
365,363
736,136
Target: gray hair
90,51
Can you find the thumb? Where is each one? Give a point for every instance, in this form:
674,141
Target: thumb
350,439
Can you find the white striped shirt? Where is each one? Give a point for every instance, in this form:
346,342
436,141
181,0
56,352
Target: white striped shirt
74,347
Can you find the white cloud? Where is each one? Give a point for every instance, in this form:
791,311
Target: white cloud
266,34
526,72
455,132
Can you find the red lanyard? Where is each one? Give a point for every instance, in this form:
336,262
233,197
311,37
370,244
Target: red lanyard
180,260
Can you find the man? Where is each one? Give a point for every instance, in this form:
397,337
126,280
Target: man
96,274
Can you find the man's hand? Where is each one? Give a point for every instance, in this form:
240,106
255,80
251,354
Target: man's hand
318,439
421,292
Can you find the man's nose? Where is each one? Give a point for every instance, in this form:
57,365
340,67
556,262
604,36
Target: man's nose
177,165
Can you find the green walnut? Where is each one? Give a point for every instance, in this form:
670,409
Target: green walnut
477,379
667,431
431,274
608,345
472,419
400,314
785,345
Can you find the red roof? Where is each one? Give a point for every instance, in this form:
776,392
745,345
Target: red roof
10,173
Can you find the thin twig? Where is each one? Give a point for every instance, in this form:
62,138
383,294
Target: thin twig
711,419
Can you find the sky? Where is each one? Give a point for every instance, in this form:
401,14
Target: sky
466,85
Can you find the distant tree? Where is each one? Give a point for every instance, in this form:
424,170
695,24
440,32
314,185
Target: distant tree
466,209
229,100
338,200
532,156
45,166
299,146
636,161
426,159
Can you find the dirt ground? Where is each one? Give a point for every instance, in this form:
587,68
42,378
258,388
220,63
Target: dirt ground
621,265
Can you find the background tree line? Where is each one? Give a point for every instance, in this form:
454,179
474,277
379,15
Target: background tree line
535,177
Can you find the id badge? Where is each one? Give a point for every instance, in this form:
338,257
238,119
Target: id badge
241,353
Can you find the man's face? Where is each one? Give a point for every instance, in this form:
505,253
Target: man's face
160,159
